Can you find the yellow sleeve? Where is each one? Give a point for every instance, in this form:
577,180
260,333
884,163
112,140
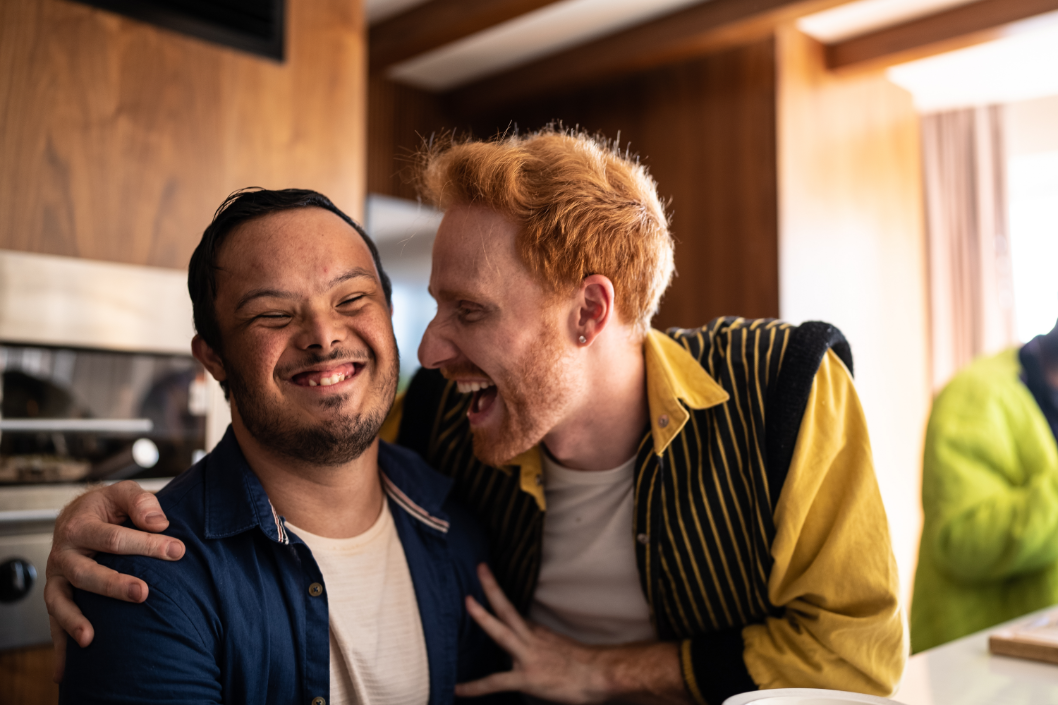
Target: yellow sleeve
391,426
834,574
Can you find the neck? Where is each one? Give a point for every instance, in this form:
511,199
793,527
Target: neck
336,502
605,428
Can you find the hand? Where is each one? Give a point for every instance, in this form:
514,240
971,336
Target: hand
85,526
555,668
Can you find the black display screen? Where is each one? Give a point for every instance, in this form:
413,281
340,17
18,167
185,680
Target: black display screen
256,26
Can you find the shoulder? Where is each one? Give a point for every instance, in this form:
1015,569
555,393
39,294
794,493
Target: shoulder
183,501
987,393
988,376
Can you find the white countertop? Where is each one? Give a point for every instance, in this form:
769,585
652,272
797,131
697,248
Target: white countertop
963,672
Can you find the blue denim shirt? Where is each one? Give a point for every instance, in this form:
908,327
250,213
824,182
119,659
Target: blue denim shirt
241,617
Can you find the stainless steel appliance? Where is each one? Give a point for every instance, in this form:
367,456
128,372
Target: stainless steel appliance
96,384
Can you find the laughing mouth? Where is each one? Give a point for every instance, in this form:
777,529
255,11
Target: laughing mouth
327,377
484,395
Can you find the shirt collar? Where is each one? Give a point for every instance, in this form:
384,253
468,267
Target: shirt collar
236,501
676,381
675,376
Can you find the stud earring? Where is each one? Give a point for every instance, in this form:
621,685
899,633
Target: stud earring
582,340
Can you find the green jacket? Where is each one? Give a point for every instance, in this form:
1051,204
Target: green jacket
989,550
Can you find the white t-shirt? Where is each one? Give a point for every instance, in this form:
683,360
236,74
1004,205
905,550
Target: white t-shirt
589,583
378,651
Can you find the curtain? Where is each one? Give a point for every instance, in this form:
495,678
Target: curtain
970,276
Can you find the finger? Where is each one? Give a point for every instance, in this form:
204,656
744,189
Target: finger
130,500
94,535
64,614
497,630
58,643
85,574
496,683
500,604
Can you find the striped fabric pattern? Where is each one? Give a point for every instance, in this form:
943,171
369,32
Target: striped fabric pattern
705,506
703,512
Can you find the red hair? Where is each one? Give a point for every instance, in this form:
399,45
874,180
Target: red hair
583,206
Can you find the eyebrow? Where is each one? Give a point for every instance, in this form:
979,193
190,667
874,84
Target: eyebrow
450,293
354,273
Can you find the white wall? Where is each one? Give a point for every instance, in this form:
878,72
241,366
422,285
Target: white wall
852,252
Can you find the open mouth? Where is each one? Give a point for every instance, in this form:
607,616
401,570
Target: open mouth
484,397
327,377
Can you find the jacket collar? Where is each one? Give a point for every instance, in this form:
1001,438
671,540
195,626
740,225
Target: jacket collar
236,501
676,381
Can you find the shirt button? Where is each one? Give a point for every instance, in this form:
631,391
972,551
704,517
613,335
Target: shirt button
319,701
643,539
663,421
539,480
316,590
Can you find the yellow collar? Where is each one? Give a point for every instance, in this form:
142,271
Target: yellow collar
673,376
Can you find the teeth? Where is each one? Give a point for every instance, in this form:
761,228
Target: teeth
471,387
328,381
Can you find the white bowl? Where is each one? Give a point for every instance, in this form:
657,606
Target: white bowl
806,696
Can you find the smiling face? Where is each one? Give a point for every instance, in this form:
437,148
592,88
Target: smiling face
309,351
498,334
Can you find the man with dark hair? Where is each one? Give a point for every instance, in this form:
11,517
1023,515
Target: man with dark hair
675,517
989,550
321,565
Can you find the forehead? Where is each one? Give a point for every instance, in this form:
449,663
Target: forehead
476,248
295,249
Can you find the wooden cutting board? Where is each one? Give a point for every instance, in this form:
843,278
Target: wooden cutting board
1035,639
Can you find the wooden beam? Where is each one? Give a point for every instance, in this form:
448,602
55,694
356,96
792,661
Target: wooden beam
436,23
958,27
699,29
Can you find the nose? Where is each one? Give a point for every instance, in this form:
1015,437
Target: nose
436,349
321,331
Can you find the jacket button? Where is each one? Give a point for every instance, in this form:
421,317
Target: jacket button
319,701
643,539
663,421
316,590
539,480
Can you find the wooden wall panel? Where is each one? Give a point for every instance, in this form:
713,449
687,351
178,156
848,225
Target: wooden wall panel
399,118
120,139
706,130
853,252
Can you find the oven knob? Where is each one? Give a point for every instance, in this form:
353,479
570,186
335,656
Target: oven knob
16,579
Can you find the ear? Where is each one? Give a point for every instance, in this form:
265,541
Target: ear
209,358
595,300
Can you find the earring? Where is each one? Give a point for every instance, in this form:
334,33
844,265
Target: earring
582,340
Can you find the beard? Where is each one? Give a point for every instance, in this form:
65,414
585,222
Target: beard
536,396
338,439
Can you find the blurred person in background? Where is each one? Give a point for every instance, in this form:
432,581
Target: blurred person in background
989,550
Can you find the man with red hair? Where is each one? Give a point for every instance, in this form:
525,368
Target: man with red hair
674,517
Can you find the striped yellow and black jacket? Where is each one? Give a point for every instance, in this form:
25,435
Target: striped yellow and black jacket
759,532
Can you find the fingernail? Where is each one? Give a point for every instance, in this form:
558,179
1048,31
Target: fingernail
153,517
135,593
173,550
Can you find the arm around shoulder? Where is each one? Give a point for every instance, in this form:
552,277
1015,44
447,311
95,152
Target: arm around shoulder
149,652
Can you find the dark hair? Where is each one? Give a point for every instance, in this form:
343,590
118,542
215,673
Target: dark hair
239,207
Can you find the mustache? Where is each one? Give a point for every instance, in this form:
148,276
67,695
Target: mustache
463,369
337,355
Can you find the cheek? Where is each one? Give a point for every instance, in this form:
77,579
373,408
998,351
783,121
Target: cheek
258,354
